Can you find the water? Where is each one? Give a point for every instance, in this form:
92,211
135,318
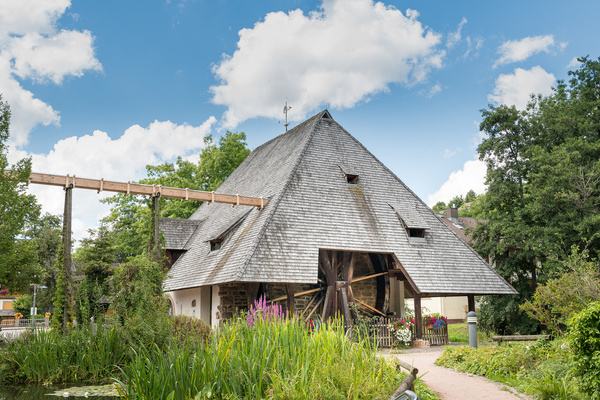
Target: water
41,393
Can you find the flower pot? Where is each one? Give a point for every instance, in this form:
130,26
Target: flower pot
429,326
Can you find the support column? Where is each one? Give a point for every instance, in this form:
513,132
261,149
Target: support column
471,302
418,316
156,233
251,293
291,299
67,260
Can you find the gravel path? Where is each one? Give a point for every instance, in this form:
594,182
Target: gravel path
453,385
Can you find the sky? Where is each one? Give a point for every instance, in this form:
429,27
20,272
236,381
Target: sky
101,88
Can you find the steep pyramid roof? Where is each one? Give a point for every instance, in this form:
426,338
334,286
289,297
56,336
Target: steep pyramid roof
326,191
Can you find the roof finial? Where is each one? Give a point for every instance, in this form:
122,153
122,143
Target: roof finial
286,108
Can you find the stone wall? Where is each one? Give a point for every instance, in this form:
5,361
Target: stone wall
233,300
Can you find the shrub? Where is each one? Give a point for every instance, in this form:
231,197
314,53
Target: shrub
554,303
190,329
584,336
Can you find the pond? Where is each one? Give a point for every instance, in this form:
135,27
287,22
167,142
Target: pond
106,392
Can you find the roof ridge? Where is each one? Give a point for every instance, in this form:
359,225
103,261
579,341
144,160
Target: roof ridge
314,120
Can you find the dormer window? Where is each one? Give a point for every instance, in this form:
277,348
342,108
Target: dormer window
352,179
416,232
216,244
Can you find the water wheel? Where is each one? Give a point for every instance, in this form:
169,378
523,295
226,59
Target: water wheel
332,295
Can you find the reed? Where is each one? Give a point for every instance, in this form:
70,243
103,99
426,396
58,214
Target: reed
270,359
48,357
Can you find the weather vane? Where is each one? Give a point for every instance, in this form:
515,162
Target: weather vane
286,108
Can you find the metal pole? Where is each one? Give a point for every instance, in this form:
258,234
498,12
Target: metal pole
33,309
472,323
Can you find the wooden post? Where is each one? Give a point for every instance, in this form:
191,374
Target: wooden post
156,233
418,316
291,299
67,261
252,292
471,302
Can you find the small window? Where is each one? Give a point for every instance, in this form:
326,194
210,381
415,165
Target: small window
416,232
216,244
352,179
194,303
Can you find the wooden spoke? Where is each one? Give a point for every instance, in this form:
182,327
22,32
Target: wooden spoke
310,303
296,294
370,308
314,309
362,278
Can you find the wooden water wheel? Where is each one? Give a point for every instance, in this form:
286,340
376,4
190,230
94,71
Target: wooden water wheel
333,295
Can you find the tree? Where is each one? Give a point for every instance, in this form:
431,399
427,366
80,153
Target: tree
18,263
543,198
130,216
95,258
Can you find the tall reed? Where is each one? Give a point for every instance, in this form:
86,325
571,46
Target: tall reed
48,357
271,359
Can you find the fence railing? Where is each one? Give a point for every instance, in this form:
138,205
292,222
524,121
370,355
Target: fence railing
379,328
24,322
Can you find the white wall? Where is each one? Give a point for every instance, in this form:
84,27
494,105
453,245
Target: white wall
206,306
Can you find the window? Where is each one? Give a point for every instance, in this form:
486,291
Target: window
416,232
216,244
352,179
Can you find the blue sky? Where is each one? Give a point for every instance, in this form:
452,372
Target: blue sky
102,88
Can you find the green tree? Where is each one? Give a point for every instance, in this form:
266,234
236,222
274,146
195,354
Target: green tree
18,263
543,198
95,258
130,216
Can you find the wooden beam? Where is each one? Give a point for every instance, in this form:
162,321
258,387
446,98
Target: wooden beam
67,217
471,302
291,299
147,190
296,294
370,308
362,278
314,309
418,316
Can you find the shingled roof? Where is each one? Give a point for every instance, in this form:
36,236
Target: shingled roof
306,173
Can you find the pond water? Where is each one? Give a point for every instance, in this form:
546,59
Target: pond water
43,392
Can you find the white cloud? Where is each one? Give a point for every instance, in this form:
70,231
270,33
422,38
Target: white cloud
519,50
470,177
33,47
99,156
516,88
338,56
454,37
574,64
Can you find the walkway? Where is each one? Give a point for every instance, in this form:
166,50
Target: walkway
453,385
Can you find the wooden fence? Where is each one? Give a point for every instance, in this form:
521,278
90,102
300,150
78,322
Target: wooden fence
379,328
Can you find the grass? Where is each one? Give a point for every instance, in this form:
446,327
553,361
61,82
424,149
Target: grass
538,368
459,333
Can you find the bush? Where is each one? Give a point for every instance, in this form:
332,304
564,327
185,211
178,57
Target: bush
584,338
190,329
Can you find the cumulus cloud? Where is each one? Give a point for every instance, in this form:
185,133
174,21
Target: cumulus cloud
33,47
337,56
516,88
519,50
470,177
99,156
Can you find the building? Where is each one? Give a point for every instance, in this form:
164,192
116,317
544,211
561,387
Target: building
340,234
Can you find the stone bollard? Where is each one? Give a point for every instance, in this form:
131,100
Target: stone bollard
472,323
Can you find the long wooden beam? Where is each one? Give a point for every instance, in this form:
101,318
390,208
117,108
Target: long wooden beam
148,190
